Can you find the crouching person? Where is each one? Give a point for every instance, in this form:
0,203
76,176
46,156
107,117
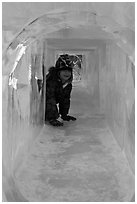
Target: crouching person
58,91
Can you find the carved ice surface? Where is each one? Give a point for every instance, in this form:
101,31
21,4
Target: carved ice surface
91,159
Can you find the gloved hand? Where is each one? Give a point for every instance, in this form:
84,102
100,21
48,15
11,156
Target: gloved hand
55,123
68,118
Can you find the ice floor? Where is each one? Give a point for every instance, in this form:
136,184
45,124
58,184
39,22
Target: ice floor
80,162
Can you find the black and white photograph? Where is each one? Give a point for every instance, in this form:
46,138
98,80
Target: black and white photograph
68,101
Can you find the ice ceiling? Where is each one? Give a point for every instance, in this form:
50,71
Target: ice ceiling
105,21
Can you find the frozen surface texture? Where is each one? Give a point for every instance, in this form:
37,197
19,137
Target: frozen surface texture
117,97
26,22
93,158
78,162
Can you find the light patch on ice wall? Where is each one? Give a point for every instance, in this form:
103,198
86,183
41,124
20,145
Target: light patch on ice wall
117,98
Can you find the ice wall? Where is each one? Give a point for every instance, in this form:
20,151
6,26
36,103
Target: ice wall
22,108
117,97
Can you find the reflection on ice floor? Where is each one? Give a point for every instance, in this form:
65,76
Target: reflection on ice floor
79,162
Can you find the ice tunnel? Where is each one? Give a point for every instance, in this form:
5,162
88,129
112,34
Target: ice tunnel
87,160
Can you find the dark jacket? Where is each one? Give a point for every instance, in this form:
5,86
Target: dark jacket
56,94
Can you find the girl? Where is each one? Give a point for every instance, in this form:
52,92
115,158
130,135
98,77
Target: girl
58,90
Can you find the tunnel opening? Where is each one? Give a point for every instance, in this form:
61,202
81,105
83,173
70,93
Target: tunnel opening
26,105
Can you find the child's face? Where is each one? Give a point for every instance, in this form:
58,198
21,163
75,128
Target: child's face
65,75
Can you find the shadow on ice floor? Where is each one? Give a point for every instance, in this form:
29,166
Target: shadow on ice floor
80,162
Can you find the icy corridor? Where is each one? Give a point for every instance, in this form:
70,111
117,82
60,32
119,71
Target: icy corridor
91,159
80,162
